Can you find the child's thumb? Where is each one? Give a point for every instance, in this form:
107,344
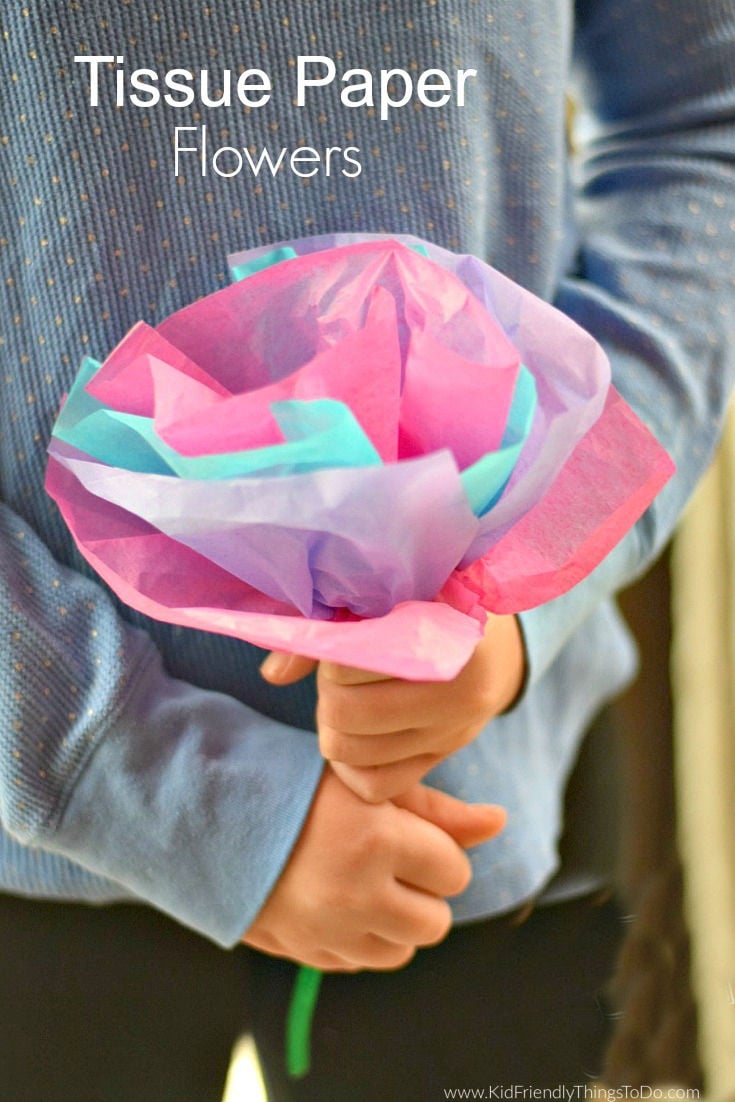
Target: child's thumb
468,824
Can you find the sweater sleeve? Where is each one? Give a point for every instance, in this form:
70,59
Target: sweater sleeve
186,798
653,212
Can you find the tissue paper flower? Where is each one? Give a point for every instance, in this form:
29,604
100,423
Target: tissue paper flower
352,453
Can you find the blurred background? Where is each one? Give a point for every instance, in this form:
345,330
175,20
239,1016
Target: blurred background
703,680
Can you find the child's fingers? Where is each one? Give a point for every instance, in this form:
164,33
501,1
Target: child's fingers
348,675
376,783
395,746
280,668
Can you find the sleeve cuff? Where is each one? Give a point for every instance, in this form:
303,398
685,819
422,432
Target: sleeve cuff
193,802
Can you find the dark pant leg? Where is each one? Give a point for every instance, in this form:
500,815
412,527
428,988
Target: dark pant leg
494,1005
113,1004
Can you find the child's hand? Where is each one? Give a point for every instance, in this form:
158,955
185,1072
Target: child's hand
383,734
366,883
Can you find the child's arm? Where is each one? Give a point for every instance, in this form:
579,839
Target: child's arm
382,735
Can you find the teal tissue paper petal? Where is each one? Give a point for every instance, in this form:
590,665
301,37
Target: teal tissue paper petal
119,440
263,260
317,434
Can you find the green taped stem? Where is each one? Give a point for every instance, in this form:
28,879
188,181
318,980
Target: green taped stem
298,1023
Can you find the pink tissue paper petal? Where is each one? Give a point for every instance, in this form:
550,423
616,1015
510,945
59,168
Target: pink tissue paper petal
240,421
141,366
605,486
437,411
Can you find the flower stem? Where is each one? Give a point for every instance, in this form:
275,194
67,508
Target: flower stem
298,1023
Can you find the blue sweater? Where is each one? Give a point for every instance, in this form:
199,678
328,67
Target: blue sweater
138,760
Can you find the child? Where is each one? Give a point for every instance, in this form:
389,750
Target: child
147,764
